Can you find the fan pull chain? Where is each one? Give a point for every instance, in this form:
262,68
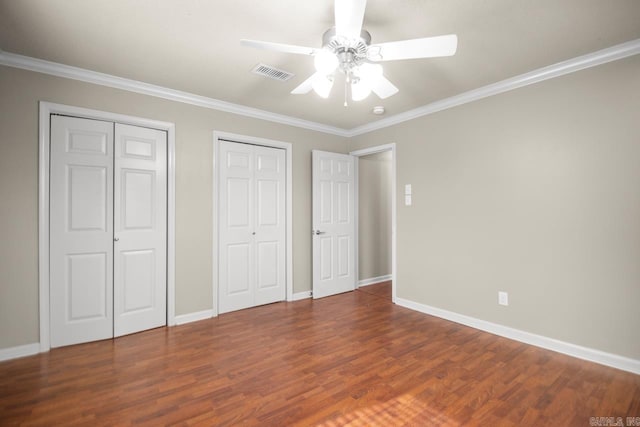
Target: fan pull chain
346,86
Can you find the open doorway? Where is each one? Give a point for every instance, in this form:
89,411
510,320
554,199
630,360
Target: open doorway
375,197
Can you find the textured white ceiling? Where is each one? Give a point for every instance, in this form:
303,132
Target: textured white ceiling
193,45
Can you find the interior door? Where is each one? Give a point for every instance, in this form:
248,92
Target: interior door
333,184
140,229
270,223
81,230
252,226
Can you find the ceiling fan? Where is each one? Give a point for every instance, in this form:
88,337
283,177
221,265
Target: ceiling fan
347,48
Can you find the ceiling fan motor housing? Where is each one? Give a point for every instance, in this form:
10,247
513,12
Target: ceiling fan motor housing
350,52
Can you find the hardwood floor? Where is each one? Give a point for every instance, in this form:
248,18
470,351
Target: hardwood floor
351,359
382,289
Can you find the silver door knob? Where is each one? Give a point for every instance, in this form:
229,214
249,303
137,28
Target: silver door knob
253,233
115,239
318,232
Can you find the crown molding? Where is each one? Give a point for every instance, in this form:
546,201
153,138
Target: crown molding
589,60
81,74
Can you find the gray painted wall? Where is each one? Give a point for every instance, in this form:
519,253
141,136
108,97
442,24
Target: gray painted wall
535,192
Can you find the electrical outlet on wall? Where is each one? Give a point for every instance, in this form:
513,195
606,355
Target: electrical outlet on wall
503,298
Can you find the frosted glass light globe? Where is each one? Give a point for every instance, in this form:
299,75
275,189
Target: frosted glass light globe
325,62
322,85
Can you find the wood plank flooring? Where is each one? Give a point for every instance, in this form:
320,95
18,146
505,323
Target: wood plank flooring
351,359
382,289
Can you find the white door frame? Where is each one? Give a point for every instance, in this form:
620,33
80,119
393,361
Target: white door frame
365,152
48,108
217,136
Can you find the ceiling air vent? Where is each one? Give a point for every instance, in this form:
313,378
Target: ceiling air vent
271,72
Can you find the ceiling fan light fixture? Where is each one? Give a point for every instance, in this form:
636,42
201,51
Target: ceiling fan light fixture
360,90
366,76
322,85
347,47
326,62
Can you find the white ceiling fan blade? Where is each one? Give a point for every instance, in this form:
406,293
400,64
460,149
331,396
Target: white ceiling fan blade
383,88
279,47
305,87
428,47
349,15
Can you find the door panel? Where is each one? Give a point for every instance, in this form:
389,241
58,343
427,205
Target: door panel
326,257
344,195
81,232
138,205
238,158
239,203
86,286
267,191
138,280
268,162
333,223
326,202
267,264
252,226
342,255
88,141
140,229
141,148
238,270
87,197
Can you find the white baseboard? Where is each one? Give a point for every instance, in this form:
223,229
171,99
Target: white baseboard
590,354
373,280
19,351
301,295
193,317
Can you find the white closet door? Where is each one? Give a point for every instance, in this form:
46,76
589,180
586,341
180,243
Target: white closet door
81,233
140,229
252,226
333,223
270,221
236,211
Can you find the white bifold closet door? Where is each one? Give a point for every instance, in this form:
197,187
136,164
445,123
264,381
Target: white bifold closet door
251,225
108,202
140,229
